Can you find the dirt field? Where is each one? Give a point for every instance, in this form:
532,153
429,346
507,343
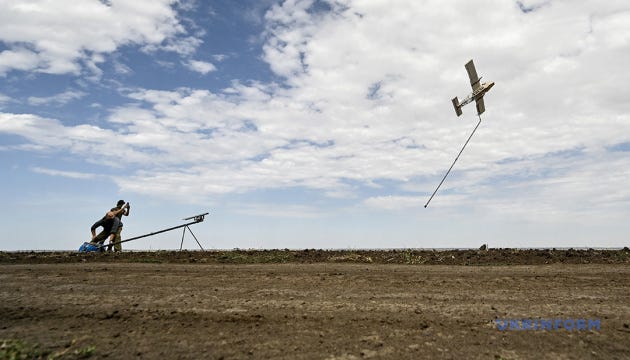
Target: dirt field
331,306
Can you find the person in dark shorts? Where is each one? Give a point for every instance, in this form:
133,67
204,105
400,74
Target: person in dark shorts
110,224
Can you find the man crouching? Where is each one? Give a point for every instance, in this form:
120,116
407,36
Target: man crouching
110,223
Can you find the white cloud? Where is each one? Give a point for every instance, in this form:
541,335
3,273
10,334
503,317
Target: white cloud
202,67
185,46
57,37
67,174
58,99
395,202
90,142
279,210
220,57
367,99
187,5
121,68
4,99
19,59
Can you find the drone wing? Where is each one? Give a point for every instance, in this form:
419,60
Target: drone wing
481,107
472,74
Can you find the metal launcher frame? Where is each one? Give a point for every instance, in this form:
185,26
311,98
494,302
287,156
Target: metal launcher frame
195,220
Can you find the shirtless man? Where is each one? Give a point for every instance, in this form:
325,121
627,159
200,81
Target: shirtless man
110,224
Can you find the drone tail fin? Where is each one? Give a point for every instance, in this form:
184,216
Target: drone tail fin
457,106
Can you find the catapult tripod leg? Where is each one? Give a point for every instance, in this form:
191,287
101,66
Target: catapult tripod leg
191,233
453,164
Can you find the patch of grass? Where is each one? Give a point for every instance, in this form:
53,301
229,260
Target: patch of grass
275,257
254,257
352,257
232,257
84,353
22,350
18,350
410,258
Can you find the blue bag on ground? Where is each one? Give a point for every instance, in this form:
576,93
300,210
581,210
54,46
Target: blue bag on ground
87,247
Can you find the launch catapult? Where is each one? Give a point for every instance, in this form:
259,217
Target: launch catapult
195,219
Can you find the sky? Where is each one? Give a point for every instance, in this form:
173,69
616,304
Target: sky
315,124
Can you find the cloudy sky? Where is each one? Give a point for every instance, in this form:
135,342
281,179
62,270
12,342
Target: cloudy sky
315,124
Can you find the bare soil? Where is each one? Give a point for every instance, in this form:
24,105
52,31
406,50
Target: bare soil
315,304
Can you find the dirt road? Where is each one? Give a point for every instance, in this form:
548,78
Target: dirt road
313,311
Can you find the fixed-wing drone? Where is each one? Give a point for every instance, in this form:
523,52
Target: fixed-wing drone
479,90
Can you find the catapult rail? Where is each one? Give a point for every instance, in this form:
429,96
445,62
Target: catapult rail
196,219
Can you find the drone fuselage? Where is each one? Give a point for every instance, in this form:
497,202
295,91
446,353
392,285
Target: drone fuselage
479,90
477,94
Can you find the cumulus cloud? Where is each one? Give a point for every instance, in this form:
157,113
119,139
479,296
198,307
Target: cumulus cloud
62,37
202,67
18,59
364,100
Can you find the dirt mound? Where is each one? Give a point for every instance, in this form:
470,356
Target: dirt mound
400,256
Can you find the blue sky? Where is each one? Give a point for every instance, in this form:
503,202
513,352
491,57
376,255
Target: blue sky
315,124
